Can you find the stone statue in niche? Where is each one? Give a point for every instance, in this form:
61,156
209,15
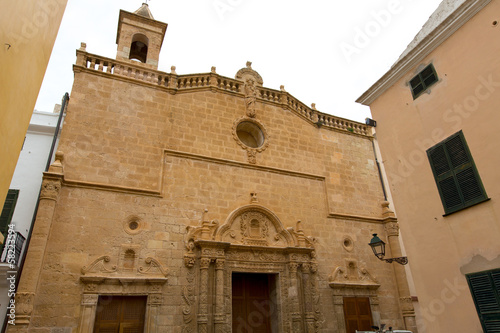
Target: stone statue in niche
250,97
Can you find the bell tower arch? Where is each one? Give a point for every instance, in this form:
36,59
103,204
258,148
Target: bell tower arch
140,37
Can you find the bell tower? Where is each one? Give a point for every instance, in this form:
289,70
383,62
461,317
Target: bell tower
140,37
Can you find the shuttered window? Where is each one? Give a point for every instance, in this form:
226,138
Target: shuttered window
485,290
7,212
456,175
423,80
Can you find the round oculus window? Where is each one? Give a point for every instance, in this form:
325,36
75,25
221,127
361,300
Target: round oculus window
250,134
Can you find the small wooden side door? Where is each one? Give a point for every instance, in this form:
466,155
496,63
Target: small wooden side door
358,314
120,314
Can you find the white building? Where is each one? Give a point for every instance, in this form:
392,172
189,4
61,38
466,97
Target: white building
23,193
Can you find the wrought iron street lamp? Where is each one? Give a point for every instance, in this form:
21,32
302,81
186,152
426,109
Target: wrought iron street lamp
378,247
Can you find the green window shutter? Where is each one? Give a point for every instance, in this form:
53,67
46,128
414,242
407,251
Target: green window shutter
423,80
485,290
8,210
456,175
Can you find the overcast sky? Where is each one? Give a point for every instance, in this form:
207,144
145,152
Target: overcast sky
323,51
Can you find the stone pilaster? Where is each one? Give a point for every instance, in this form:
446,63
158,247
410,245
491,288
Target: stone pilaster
308,297
32,268
88,312
294,299
220,318
203,308
405,301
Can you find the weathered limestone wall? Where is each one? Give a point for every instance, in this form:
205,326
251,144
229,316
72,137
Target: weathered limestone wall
133,152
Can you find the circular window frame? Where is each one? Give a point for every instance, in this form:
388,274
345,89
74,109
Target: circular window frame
133,225
260,134
348,243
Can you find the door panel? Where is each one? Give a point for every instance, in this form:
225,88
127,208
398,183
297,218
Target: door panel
358,314
120,314
251,303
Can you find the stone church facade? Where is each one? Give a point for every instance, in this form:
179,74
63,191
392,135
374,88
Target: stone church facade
202,203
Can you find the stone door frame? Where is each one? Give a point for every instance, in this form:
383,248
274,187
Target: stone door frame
214,252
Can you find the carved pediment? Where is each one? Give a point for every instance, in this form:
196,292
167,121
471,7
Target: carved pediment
254,225
352,276
127,266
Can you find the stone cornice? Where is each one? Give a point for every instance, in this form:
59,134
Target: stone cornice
361,218
442,32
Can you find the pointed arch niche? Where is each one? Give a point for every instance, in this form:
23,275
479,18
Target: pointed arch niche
251,240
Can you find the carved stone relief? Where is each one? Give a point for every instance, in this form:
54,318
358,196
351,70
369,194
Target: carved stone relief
131,275
252,240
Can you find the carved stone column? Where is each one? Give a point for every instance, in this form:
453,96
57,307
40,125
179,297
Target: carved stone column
51,186
203,309
294,299
405,301
308,297
220,318
315,296
88,312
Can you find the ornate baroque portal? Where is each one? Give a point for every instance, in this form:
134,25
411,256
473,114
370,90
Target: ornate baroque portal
252,240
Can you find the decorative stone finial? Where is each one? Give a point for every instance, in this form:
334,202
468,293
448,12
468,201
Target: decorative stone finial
83,46
313,106
213,69
282,88
172,70
299,226
386,211
249,64
56,166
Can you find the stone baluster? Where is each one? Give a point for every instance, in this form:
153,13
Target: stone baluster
220,318
203,308
109,67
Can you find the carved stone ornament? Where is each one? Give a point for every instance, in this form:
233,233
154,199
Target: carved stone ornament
99,266
252,239
50,189
352,276
155,299
392,229
247,73
24,307
90,299
153,267
406,304
188,294
257,226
